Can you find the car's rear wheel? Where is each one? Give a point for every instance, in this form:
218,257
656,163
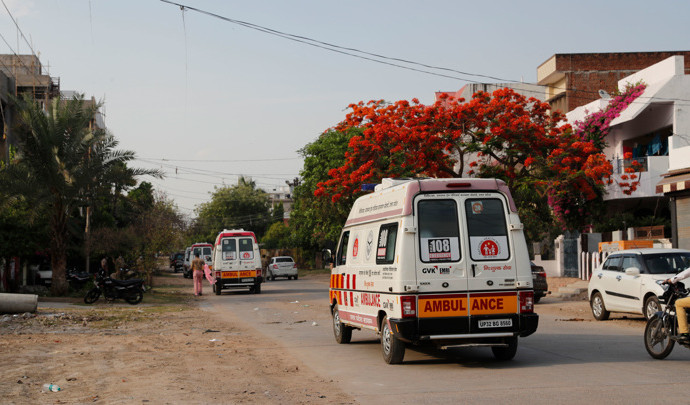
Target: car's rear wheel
598,308
393,348
651,306
505,353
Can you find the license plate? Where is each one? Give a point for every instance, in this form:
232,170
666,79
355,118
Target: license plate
247,280
495,323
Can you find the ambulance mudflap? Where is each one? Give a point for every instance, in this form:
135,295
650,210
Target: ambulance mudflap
434,261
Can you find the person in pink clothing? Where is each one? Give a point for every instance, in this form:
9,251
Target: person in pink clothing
198,273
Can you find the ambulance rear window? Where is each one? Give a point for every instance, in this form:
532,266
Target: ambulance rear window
246,248
229,249
486,226
439,237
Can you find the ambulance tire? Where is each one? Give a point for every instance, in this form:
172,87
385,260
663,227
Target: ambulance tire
342,332
393,349
506,353
217,289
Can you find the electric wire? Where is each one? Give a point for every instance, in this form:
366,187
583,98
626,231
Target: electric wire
348,51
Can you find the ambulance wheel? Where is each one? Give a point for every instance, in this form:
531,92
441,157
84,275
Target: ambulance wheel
217,289
256,289
508,352
342,332
393,348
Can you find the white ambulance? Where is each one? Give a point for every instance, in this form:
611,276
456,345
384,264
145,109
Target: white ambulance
237,261
441,261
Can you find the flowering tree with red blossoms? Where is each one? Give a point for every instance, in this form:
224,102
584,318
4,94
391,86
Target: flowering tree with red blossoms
505,135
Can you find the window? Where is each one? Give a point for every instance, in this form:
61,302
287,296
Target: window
667,263
385,250
284,260
613,263
630,261
439,238
341,256
229,249
206,251
486,227
246,248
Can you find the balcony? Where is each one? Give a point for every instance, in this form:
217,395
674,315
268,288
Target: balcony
653,168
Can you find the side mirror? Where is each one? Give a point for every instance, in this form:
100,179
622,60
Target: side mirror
632,271
326,255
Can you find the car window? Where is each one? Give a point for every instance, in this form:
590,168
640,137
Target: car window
284,260
667,263
341,256
246,248
613,263
486,226
439,236
229,249
385,252
631,261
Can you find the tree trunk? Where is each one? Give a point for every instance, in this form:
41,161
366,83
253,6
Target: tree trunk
58,250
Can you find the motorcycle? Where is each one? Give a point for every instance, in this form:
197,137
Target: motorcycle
662,327
77,279
131,291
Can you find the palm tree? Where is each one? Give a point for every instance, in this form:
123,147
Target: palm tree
61,159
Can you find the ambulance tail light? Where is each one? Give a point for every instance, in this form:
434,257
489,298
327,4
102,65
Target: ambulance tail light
218,274
526,301
259,270
409,306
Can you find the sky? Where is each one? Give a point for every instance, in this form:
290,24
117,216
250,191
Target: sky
206,99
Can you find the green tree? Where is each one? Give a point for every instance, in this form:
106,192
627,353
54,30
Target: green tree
239,206
316,222
159,228
277,237
61,160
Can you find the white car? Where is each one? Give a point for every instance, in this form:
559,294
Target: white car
627,280
281,266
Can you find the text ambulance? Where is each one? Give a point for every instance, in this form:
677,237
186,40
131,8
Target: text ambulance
440,261
237,261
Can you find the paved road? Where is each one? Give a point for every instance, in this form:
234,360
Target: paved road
566,361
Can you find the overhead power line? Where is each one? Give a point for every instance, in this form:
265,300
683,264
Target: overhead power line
386,60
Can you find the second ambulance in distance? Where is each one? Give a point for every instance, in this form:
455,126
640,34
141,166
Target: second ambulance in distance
237,261
440,261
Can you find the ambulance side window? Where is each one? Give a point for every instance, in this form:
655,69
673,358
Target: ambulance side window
341,255
385,249
486,227
439,235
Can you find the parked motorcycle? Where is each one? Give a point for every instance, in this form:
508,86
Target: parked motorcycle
131,291
77,279
662,327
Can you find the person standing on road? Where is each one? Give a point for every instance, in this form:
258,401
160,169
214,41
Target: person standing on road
681,305
198,273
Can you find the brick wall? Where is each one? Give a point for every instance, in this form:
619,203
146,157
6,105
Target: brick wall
587,73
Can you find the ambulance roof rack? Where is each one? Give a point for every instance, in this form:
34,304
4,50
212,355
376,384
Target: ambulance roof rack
392,182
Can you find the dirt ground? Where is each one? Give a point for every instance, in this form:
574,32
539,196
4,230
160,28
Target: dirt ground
166,351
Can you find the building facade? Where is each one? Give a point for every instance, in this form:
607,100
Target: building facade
573,80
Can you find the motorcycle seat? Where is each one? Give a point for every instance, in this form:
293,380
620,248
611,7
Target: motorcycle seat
124,283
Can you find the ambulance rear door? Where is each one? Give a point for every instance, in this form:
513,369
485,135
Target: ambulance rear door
464,263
